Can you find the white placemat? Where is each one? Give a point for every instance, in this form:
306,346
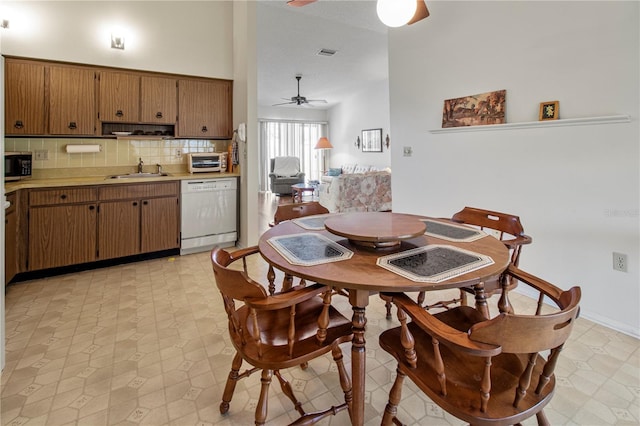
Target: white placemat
434,263
309,249
452,231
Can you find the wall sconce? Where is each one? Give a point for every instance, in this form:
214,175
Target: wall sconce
117,41
357,144
387,141
4,24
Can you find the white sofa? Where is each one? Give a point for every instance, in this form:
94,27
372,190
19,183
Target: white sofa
350,192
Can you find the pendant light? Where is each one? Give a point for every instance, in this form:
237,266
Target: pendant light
396,13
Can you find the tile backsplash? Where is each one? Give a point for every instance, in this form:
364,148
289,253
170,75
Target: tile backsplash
114,152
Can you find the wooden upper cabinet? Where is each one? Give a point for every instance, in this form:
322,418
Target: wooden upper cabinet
158,100
119,97
72,101
24,98
204,109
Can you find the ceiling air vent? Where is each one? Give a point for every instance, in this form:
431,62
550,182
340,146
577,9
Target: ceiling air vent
326,52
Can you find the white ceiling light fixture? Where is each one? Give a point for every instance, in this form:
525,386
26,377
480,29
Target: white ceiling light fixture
396,13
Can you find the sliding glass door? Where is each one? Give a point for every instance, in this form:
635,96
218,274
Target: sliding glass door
279,138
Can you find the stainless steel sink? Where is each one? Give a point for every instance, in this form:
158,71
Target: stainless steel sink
138,175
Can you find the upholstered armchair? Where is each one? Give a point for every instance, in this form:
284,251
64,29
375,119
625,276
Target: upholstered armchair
284,172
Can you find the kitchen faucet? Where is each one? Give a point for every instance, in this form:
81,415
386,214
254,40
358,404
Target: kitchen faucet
140,164
159,169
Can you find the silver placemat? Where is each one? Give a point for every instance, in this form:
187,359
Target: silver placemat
452,232
309,249
434,263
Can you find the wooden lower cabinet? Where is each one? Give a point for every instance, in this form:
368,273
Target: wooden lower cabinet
160,224
126,228
119,229
69,226
10,239
62,235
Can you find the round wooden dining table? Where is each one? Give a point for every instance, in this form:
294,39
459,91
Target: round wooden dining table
360,274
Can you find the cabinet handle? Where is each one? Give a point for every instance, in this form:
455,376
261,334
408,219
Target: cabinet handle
63,197
145,203
18,125
72,125
204,129
119,113
135,203
158,115
92,207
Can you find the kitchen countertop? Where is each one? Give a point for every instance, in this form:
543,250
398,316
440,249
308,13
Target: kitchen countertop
10,187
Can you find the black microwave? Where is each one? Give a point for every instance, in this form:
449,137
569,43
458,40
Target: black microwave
17,165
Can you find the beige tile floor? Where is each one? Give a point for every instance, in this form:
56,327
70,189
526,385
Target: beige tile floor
146,343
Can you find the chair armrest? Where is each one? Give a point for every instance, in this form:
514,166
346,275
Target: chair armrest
559,297
438,329
289,298
520,240
240,253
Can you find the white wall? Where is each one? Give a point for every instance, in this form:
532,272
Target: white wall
367,109
186,37
576,189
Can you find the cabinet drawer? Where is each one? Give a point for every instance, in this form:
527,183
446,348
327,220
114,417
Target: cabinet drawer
62,196
138,191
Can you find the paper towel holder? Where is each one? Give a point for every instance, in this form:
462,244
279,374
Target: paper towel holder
79,148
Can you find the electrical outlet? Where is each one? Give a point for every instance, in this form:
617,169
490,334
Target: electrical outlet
178,153
42,154
619,262
407,151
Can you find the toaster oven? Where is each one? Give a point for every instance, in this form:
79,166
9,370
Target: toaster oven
206,162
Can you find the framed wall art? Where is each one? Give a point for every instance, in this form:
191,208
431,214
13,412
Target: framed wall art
549,110
475,110
372,140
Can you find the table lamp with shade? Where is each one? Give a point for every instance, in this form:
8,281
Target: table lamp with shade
323,144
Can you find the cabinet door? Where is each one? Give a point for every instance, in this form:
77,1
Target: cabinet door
61,235
204,109
158,100
160,224
118,229
24,98
71,101
10,242
119,97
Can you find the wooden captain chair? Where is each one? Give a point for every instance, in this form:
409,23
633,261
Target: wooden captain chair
496,371
274,332
288,212
508,229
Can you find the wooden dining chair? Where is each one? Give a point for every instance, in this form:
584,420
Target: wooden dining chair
484,371
288,212
508,229
294,211
274,332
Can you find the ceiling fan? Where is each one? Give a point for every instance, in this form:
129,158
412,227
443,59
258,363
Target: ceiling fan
300,100
421,10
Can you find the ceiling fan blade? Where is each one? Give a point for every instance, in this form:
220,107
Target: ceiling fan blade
421,12
322,101
284,103
299,3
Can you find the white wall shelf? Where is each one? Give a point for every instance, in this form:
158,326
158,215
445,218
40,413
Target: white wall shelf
611,119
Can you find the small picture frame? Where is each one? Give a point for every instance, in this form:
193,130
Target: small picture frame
372,140
549,110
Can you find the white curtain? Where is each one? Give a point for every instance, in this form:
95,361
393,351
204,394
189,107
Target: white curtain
280,138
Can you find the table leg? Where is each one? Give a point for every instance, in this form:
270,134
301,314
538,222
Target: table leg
359,299
481,300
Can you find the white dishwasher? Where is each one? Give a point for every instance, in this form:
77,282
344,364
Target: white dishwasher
209,214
